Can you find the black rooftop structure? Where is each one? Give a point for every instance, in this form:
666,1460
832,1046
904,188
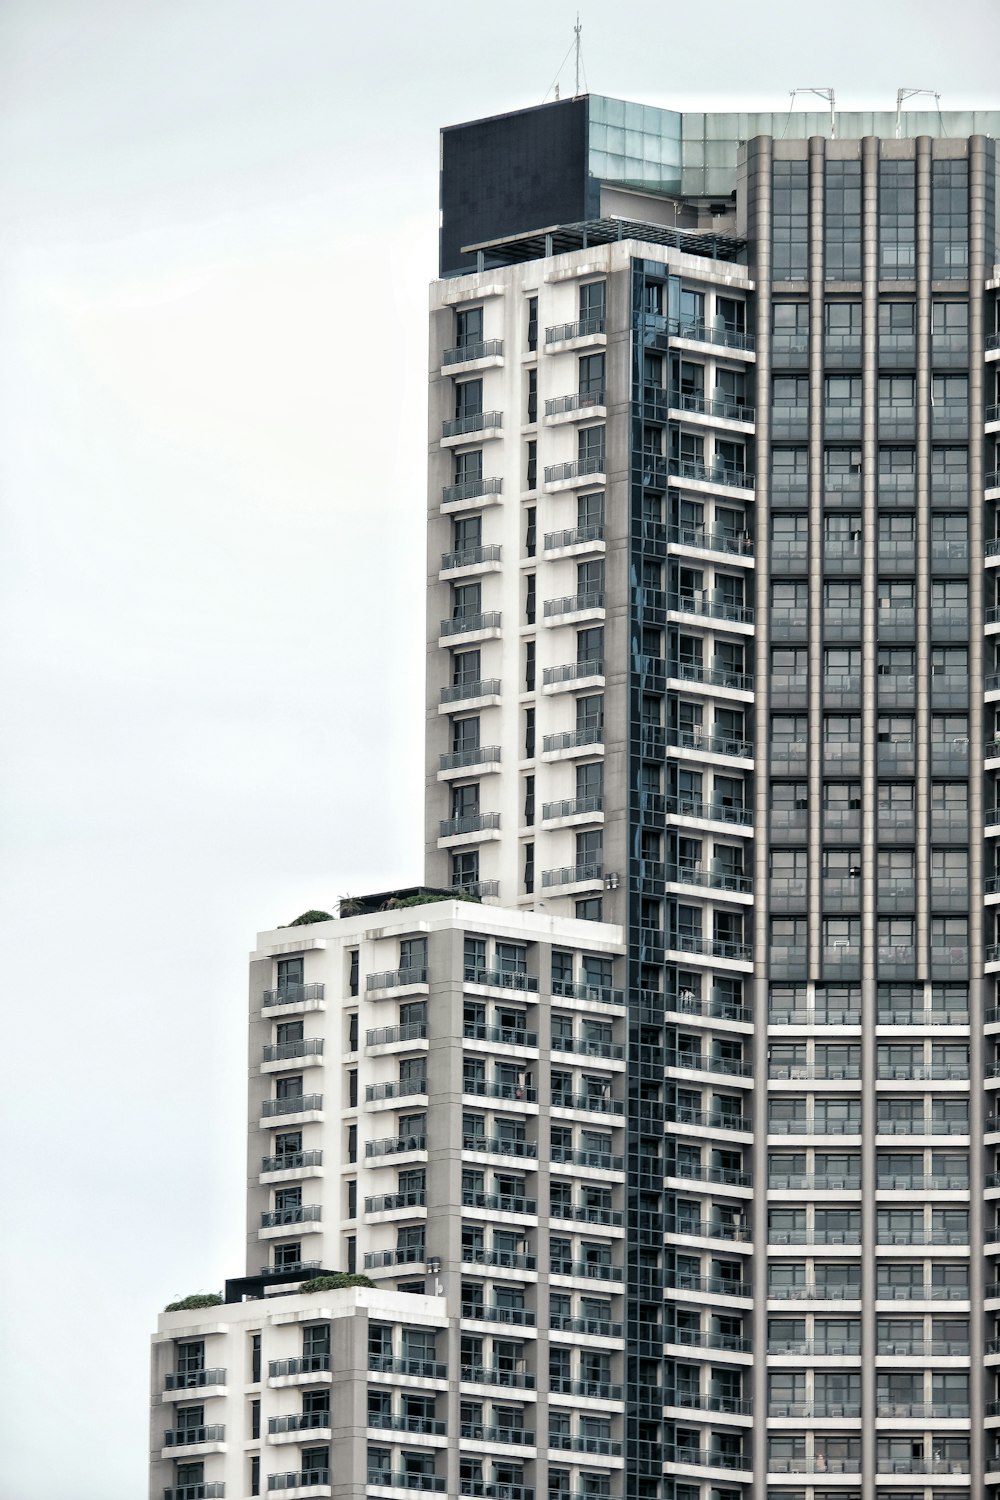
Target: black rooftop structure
561,238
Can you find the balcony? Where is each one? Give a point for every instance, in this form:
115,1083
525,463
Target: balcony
833,1292
300,1421
288,1161
202,1490
404,1088
725,1176
500,1145
386,1421
583,328
480,421
720,880
395,1145
601,1161
578,468
481,1089
560,406
598,1104
725,475
192,1380
480,1313
812,1409
453,495
472,624
509,1036
705,741
588,1048
711,607
474,687
298,1104
572,672
717,812
405,1255
724,407
503,1203
394,979
293,994
698,1062
511,1260
703,1458
595,1390
574,536
504,979
310,1046
679,1114
719,1286
425,1369
466,354
574,604
497,1375
180,1437
925,1126
478,755
470,557
726,335
572,807
685,942
404,1480
306,1364
307,1213
709,1229
383,1203
311,1479
583,874
496,1489
572,739
696,1339
602,994
471,823
576,1213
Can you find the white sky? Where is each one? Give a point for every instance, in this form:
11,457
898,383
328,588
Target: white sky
217,223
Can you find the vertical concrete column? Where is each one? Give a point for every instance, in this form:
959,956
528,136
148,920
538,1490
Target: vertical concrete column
761,178
869,827
923,555
349,1403
982,161
543,1193
817,291
445,964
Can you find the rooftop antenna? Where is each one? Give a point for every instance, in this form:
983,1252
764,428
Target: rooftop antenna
829,96
902,94
576,32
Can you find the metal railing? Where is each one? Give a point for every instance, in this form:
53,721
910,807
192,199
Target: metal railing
510,1036
287,1161
571,807
178,1437
574,603
572,672
478,421
579,468
479,687
471,823
573,739
468,557
190,1380
470,489
582,328
392,979
394,1144
465,624
392,1364
303,1364
305,1213
573,536
293,994
297,1104
308,1046
401,1088
573,874
382,1036
579,401
383,1203
477,349
725,334
505,979
479,755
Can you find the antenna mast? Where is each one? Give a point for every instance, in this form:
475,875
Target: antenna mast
576,32
828,95
902,94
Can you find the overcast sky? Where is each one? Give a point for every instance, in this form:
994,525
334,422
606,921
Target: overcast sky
217,223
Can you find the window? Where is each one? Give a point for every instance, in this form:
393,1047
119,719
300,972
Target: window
949,219
842,221
790,220
468,327
897,220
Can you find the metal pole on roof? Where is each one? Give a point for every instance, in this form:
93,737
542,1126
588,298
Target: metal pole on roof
902,94
576,32
827,94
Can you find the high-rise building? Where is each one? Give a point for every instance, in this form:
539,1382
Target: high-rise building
706,1204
